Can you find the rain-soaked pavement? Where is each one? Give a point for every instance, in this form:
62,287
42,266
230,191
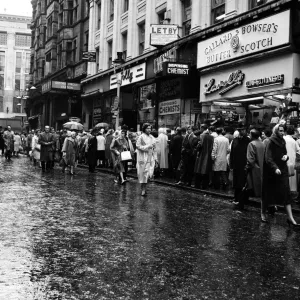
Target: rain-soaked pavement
85,237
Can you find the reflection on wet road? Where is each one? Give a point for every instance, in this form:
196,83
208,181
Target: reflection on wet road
88,238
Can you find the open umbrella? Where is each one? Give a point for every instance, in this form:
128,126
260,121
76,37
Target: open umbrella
104,125
73,125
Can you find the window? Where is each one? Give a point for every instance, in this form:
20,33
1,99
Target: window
97,59
18,62
87,8
124,45
255,3
70,12
99,16
109,51
49,27
27,63
161,17
1,103
217,11
187,15
75,11
60,16
125,5
74,50
23,40
69,52
86,44
3,38
59,54
16,107
2,62
17,82
111,10
141,38
27,80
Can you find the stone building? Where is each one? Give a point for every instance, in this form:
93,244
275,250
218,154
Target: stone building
15,41
59,38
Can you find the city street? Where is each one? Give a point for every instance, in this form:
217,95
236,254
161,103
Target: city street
86,237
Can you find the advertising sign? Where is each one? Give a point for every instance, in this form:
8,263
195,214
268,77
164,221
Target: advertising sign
73,86
176,69
169,55
46,86
89,56
128,76
162,34
261,35
169,107
59,85
272,80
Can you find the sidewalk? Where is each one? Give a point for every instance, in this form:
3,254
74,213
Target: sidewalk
228,195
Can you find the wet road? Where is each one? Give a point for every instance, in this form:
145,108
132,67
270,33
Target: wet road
85,237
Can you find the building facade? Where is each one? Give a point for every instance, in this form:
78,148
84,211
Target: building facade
60,31
15,41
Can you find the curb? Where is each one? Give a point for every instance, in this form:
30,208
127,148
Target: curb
252,201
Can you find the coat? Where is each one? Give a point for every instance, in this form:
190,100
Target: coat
276,189
92,151
9,140
17,143
204,161
238,161
46,140
109,138
219,153
175,149
255,162
117,146
162,151
70,147
292,148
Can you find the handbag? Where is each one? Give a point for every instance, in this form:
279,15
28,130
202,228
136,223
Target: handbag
291,170
126,156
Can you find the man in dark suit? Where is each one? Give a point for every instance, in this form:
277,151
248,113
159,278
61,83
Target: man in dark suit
46,140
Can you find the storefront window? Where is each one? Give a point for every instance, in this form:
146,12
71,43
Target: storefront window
147,94
217,11
255,3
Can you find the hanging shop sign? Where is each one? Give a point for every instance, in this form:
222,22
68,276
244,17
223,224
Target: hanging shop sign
162,34
261,35
128,76
235,79
169,107
60,85
176,69
89,56
271,80
169,55
46,86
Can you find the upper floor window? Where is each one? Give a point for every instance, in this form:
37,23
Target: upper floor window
141,38
99,16
3,38
18,62
125,5
161,17
217,11
23,40
255,3
109,51
75,11
187,16
124,45
111,10
27,63
87,8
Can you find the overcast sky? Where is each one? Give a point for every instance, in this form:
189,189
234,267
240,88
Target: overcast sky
16,7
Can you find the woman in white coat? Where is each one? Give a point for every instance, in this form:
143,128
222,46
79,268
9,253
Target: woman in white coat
162,149
292,148
146,156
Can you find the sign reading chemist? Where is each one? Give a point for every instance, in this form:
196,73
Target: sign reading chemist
176,69
169,107
249,39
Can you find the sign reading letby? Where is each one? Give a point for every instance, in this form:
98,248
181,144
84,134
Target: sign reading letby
162,34
272,80
176,69
261,35
169,107
128,76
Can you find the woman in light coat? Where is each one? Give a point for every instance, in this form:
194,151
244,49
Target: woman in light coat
162,149
36,148
17,144
70,152
146,156
292,148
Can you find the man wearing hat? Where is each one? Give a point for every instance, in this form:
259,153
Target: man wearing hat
238,162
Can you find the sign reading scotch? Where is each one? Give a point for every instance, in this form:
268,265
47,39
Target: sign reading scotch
169,107
261,35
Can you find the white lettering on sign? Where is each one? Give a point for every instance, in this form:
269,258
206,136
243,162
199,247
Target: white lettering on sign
169,55
177,69
162,34
169,107
271,80
261,35
236,78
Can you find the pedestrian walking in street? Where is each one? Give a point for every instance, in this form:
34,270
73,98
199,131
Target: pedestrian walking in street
146,156
219,154
276,189
255,163
119,145
70,152
17,144
175,152
100,149
292,148
46,140
108,140
9,142
29,141
36,148
162,149
2,143
92,151
203,164
266,134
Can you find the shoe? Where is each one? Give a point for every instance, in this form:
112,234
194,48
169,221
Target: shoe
290,223
116,180
123,181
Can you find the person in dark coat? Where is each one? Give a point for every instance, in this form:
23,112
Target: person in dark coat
46,140
276,188
92,152
2,143
238,162
203,165
175,151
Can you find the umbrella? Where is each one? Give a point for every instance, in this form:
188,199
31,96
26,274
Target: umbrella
104,125
73,125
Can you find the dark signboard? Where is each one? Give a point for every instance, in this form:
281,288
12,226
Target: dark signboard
176,69
89,56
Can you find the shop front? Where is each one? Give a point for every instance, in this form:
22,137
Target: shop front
249,74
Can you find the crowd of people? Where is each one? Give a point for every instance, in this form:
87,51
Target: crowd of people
252,162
